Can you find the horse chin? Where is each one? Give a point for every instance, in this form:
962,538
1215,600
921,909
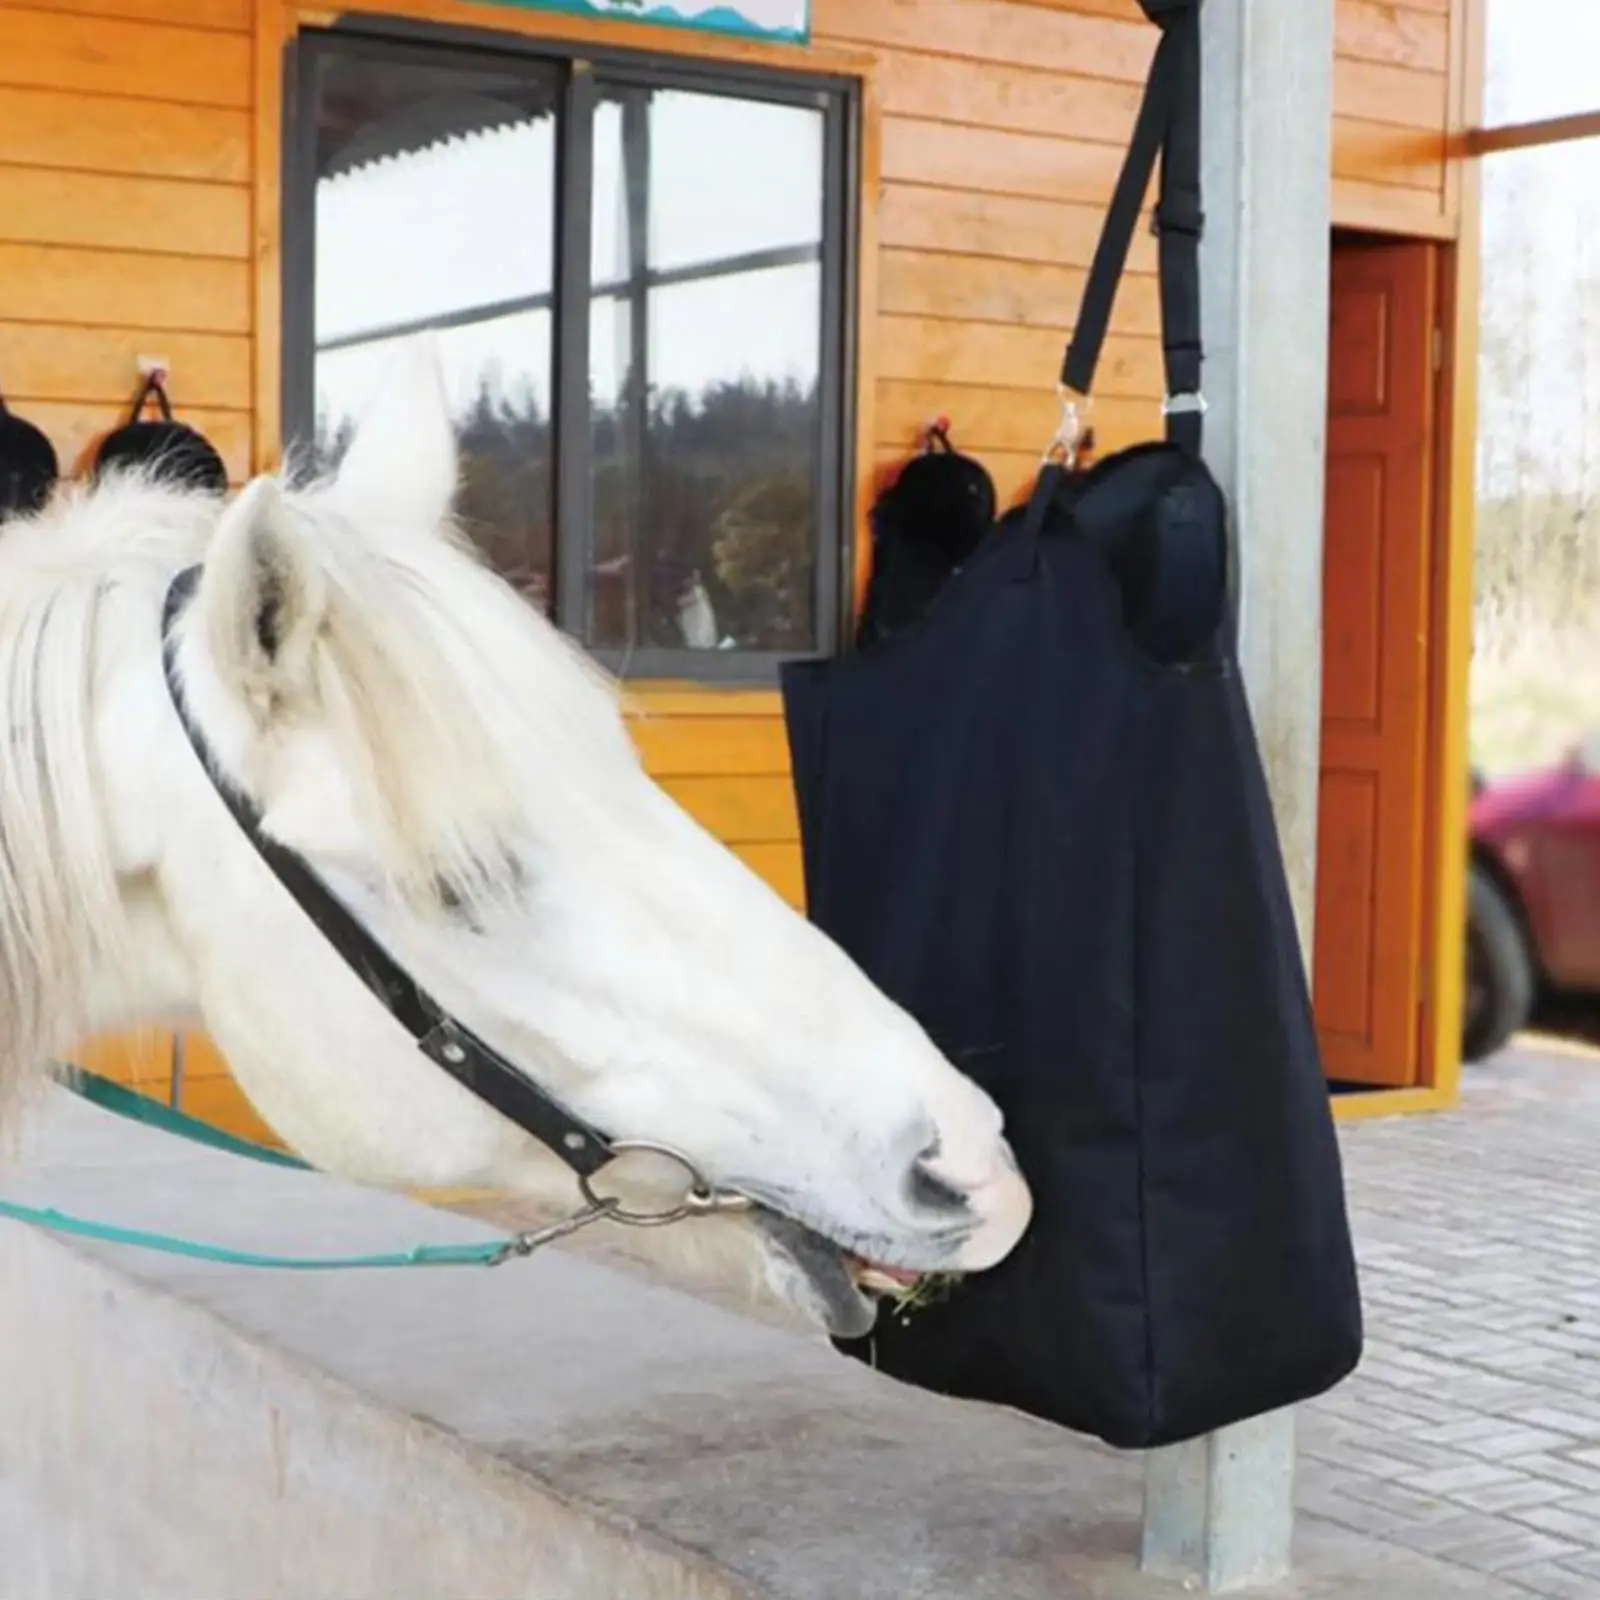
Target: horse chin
816,1276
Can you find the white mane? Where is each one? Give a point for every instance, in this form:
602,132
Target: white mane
62,920
443,795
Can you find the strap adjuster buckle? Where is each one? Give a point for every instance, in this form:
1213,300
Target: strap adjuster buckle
1175,216
1181,405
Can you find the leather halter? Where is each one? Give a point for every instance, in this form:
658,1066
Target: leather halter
445,1040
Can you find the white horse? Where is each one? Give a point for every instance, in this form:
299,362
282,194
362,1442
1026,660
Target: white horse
461,777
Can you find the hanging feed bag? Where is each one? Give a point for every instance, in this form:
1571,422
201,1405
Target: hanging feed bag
1038,819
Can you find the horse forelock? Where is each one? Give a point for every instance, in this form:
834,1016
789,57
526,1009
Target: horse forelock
473,727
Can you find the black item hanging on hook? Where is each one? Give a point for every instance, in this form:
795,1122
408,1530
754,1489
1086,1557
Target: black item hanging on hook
29,469
925,526
174,451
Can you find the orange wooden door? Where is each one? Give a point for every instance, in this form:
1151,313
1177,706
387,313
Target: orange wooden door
1370,850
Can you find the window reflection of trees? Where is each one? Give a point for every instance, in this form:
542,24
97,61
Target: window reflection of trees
728,543
702,496
731,554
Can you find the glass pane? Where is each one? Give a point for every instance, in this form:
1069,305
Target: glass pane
1540,57
435,207
1536,669
704,370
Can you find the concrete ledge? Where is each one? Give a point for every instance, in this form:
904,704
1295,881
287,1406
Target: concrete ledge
553,1429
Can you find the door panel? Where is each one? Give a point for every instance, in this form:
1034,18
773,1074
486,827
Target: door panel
1367,972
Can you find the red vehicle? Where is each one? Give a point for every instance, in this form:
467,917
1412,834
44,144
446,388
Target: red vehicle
1533,913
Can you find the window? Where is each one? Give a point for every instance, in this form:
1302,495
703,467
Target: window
638,274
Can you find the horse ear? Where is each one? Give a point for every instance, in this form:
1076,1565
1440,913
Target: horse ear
402,465
262,597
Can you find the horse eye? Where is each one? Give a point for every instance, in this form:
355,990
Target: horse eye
509,881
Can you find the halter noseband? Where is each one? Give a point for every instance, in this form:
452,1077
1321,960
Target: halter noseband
446,1040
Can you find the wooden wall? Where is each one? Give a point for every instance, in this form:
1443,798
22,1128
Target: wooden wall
1398,91
1004,126
125,203
129,215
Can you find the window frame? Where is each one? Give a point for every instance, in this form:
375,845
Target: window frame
584,69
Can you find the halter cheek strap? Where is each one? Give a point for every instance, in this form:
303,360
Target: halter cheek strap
446,1040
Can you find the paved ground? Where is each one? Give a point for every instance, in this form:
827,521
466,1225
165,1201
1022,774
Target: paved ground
1472,1431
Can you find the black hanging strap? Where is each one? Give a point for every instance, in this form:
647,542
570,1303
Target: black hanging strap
1180,221
1168,126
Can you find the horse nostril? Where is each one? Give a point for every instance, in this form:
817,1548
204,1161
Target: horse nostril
930,1193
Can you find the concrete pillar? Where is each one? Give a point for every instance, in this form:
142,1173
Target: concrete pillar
1219,1513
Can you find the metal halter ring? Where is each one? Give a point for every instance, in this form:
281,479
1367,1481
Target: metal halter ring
700,1199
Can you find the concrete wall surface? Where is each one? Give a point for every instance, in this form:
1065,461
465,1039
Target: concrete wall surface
552,1429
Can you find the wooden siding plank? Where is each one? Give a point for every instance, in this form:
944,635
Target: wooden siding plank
99,365
123,212
644,701
1005,227
742,810
972,289
222,1103
1024,99
997,161
781,865
105,288
1128,10
1000,418
1382,209
1017,34
231,16
76,429
684,745
1121,10
926,351
141,1058
1377,92
1377,30
76,132
142,60
1396,157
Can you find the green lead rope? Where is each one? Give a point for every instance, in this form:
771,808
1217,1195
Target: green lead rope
422,1255
136,1107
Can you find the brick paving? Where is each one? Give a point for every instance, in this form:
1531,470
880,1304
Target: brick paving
1472,1430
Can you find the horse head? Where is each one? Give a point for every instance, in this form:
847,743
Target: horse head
460,777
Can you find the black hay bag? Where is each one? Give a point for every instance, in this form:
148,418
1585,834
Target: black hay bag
1038,820
173,451
924,525
28,465
1058,854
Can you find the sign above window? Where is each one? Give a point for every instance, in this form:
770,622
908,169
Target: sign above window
784,20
